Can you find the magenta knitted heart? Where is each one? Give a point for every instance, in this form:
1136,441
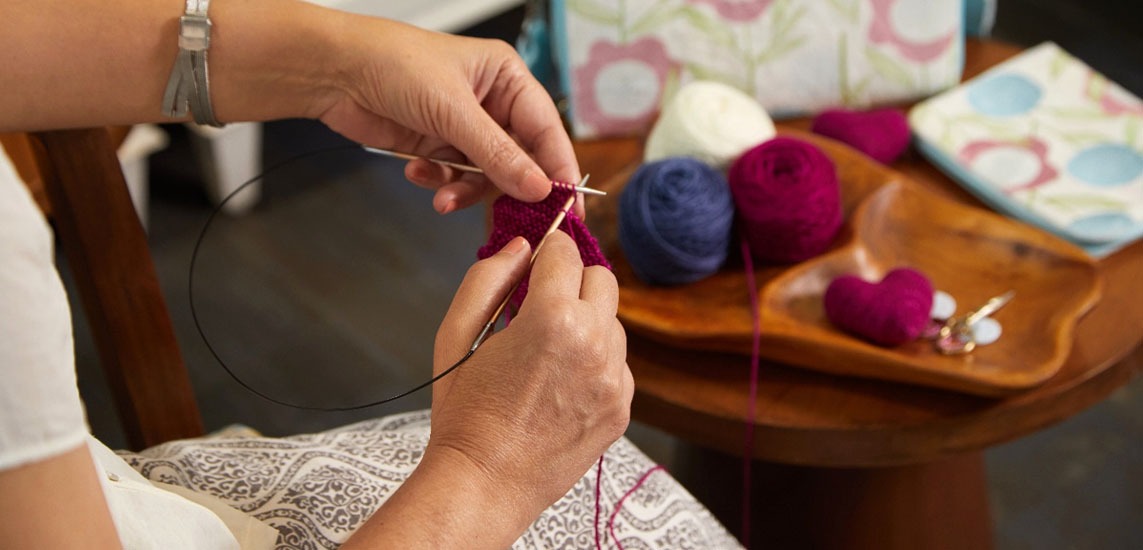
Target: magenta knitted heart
891,312
882,134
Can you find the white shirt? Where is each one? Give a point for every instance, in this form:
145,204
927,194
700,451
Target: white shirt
41,414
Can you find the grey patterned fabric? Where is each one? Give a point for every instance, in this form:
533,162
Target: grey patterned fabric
317,489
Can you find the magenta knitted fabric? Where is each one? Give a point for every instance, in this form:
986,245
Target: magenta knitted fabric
881,134
787,199
888,313
511,218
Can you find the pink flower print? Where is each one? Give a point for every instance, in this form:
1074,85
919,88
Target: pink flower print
883,30
1112,99
738,10
1012,166
619,89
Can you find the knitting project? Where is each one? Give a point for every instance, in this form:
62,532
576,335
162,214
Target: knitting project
512,217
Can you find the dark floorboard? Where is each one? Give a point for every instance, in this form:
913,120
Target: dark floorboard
330,291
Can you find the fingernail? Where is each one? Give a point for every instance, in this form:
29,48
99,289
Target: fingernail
418,173
448,207
514,246
533,180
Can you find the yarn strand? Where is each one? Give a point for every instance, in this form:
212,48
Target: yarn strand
755,352
619,504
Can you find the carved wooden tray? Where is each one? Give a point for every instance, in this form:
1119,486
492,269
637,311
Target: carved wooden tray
890,222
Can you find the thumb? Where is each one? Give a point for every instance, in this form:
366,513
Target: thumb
484,287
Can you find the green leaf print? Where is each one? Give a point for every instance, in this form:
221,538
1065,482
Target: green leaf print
1058,64
888,68
703,72
1075,113
1082,202
784,19
845,92
1084,138
778,50
602,14
780,38
849,9
1131,133
655,18
711,27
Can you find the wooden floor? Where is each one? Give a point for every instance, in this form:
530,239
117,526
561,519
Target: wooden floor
330,291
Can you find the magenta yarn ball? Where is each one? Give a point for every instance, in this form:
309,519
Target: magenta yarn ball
787,199
890,312
882,134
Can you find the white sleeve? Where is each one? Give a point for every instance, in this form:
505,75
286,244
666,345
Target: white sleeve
41,414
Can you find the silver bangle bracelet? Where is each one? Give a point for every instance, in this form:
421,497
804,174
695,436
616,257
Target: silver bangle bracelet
188,88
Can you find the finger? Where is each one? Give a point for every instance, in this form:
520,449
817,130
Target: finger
579,209
425,174
600,289
461,193
501,158
484,287
557,272
532,117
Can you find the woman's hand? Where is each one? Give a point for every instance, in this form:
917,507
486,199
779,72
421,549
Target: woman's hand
527,415
543,398
462,99
376,81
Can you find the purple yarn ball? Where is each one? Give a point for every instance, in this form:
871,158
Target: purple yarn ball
675,218
788,200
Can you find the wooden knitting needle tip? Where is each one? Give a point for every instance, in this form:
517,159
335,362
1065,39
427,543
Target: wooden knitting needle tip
504,304
462,167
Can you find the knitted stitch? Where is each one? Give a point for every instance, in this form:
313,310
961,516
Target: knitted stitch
511,218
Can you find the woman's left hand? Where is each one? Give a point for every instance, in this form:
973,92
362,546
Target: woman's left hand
454,98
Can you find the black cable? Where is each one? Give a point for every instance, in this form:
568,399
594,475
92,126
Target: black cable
214,353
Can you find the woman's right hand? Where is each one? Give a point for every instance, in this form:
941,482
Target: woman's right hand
516,425
542,399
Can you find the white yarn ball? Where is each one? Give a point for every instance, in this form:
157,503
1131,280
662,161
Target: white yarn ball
710,121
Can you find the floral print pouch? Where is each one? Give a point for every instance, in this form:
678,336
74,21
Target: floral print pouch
621,59
1047,140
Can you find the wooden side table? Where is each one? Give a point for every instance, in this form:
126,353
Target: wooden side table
854,463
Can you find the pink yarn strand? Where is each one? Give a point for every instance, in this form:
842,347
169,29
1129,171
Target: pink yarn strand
598,494
619,505
755,345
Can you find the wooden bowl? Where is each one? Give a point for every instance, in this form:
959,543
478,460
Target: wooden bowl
890,222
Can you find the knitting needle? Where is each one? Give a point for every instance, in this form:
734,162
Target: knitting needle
504,304
461,167
406,156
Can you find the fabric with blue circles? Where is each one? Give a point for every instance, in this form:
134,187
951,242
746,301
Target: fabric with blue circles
1046,139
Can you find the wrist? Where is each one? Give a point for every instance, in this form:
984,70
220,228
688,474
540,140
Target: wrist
449,502
272,60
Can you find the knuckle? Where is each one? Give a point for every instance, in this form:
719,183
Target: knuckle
504,155
483,269
501,48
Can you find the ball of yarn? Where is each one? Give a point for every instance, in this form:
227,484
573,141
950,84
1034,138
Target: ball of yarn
675,217
787,198
512,217
710,121
890,312
882,134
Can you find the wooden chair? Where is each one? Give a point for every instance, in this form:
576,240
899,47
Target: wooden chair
101,236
